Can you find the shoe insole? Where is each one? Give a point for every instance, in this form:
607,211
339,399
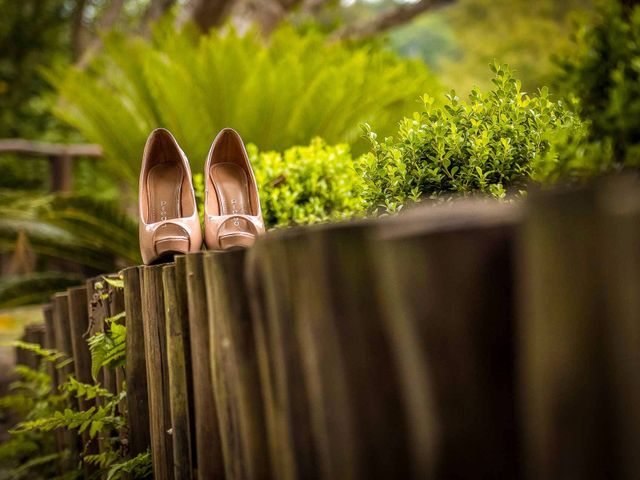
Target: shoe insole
164,187
232,189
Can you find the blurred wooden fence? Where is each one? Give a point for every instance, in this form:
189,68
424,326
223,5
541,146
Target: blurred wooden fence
472,340
60,158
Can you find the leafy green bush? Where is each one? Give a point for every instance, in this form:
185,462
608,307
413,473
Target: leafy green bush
496,141
307,184
277,93
30,453
602,69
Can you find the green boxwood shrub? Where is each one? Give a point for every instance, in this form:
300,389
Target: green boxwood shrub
277,93
494,142
602,70
307,184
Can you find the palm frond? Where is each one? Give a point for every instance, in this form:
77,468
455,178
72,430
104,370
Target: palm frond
277,93
90,232
34,288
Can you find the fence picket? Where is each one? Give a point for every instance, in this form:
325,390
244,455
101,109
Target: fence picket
210,463
136,367
79,323
175,305
446,288
235,372
155,338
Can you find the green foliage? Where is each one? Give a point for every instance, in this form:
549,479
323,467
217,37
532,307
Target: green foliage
86,391
15,175
29,452
520,33
277,93
107,348
32,35
114,282
137,467
33,288
494,142
36,462
59,359
602,69
95,419
307,184
80,228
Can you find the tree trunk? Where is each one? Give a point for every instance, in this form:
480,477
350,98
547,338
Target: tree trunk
154,11
388,19
204,13
266,14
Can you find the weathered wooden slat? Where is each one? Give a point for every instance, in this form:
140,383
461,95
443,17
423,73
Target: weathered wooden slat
445,283
177,318
38,331
79,325
107,302
181,286
33,333
564,385
20,353
136,368
235,371
96,310
355,401
28,147
292,450
210,463
155,338
96,316
50,341
62,332
619,201
62,336
116,306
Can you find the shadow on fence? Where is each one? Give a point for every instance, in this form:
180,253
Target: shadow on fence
476,340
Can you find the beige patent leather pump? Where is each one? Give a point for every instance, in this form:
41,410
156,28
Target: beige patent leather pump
233,217
169,222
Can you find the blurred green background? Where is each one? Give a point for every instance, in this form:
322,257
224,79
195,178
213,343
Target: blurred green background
351,108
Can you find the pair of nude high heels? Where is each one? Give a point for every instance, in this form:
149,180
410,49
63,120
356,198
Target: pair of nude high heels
169,221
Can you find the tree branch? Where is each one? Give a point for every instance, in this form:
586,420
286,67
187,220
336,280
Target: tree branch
388,19
267,14
77,28
106,22
111,15
155,10
314,6
204,13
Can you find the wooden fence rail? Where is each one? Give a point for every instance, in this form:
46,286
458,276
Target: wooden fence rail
472,340
60,158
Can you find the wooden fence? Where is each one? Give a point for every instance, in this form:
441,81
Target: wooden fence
60,158
473,340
